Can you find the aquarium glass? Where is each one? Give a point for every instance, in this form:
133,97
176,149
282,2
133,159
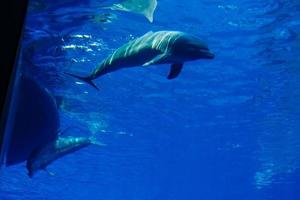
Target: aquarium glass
107,106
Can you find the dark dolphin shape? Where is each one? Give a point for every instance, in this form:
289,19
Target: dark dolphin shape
36,121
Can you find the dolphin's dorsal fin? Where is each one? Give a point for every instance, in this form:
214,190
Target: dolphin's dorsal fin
156,60
147,34
175,70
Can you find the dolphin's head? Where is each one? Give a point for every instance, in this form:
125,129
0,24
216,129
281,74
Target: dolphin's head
188,47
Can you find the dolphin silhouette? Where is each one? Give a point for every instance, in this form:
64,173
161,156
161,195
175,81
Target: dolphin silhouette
144,7
160,47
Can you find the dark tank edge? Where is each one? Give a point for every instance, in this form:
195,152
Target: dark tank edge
12,17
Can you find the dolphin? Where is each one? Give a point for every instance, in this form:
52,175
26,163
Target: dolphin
45,155
144,7
162,47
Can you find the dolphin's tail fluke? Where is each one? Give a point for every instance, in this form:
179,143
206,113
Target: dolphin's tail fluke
84,79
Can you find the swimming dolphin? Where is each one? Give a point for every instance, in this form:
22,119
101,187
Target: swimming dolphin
160,47
144,7
50,152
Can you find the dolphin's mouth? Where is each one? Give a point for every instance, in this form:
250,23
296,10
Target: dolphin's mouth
207,54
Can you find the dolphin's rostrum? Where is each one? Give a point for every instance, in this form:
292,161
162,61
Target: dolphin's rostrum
160,47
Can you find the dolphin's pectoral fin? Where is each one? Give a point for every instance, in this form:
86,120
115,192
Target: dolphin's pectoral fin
157,59
48,172
175,70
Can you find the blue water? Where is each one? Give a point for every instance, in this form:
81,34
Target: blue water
225,129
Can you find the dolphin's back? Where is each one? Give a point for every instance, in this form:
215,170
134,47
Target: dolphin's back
156,41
